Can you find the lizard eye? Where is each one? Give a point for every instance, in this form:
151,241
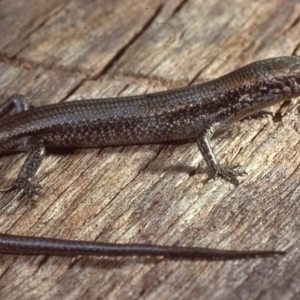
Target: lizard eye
297,80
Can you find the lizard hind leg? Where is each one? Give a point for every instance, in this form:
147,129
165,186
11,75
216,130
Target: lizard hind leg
10,202
22,187
24,184
17,102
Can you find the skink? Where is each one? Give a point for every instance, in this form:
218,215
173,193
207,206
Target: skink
193,112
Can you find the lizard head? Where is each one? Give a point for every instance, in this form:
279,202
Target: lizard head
258,85
281,77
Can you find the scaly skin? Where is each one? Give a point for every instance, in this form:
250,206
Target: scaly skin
195,111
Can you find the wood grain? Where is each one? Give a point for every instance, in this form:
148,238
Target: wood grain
54,51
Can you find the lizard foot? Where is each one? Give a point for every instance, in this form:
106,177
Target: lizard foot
23,187
229,173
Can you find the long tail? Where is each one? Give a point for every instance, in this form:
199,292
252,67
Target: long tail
25,245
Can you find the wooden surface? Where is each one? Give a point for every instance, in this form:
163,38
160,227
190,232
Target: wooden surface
61,50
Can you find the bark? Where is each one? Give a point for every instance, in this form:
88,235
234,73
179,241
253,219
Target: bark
54,51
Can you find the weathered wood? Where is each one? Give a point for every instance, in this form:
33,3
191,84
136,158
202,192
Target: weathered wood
54,51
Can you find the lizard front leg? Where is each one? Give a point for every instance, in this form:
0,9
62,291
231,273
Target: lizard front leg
228,173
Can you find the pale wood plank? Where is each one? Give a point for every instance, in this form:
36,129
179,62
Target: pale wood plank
153,193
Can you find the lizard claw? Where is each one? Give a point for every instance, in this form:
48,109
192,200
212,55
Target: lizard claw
17,196
7,189
229,173
23,187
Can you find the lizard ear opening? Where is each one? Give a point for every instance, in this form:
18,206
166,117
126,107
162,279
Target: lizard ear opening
297,80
